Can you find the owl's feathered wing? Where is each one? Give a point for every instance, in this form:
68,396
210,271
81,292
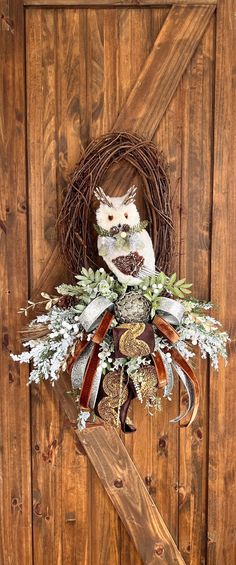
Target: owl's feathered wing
137,254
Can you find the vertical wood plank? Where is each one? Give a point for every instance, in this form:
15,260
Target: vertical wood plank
15,463
42,168
42,137
222,476
57,132
138,30
165,452
76,500
134,34
72,120
71,92
196,202
101,72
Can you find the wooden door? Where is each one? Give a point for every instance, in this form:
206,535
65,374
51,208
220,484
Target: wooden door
73,70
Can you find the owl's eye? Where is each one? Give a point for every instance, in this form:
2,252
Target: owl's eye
126,215
110,218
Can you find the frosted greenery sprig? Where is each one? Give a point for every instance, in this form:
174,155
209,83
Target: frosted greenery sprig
91,284
155,286
49,352
205,332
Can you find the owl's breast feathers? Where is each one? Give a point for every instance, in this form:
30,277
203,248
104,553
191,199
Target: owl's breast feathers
129,264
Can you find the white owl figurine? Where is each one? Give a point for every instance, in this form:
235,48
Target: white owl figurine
123,241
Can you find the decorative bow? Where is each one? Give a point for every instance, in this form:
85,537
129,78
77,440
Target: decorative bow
86,370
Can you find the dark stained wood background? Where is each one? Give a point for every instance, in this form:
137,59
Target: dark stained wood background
71,72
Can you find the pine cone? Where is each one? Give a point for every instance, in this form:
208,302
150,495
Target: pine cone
66,301
133,307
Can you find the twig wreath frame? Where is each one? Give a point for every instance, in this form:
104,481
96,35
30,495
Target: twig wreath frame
75,234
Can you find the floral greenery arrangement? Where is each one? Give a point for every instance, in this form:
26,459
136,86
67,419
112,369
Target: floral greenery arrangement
52,339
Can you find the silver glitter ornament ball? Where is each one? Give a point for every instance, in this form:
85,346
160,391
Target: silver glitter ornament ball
133,307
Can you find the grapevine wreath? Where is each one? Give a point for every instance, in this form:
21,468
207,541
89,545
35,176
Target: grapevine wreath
130,329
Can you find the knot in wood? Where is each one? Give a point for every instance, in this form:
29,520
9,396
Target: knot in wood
159,549
199,433
148,480
162,442
118,483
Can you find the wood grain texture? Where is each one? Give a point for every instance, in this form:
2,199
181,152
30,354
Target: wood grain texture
83,66
164,479
15,463
222,491
117,3
197,108
56,134
129,495
102,108
172,51
137,32
42,168
157,82
161,64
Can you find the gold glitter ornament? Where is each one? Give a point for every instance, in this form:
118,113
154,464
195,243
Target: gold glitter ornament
145,383
129,345
116,395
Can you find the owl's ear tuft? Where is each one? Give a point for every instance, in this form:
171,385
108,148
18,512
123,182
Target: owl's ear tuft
102,197
129,197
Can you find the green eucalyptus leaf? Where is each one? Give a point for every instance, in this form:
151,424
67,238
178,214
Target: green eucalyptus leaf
98,276
162,278
81,277
148,296
91,274
84,272
186,290
172,279
177,292
180,282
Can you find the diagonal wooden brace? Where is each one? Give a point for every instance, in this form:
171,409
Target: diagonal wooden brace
124,486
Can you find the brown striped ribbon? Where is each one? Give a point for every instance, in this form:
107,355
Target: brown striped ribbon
166,329
170,333
183,364
93,362
160,369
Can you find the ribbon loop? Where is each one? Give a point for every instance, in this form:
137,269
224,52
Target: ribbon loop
165,329
171,310
93,363
160,369
91,315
